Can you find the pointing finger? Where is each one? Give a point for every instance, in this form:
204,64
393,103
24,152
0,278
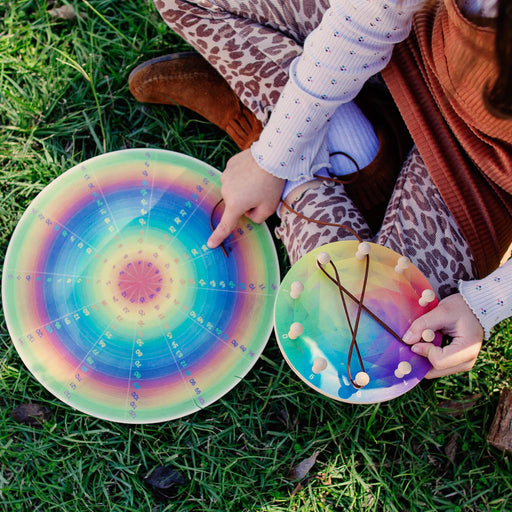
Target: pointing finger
227,224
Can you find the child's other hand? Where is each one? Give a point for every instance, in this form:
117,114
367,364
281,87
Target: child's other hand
453,317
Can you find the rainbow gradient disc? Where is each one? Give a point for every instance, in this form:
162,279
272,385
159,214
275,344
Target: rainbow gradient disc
320,354
115,303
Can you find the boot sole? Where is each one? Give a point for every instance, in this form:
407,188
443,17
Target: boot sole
163,58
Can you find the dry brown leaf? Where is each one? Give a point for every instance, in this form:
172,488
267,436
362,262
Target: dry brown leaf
450,448
65,12
458,407
31,414
325,479
163,481
302,469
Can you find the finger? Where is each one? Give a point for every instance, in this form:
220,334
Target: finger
434,373
256,217
434,320
227,224
259,215
450,356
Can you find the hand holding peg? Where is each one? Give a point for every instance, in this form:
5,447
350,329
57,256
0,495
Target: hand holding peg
428,335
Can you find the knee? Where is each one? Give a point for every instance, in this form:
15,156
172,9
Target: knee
172,10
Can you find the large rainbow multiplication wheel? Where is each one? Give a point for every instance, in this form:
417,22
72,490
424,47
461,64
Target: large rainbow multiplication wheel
115,303
315,336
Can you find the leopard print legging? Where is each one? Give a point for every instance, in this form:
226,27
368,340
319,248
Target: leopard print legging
251,43
417,224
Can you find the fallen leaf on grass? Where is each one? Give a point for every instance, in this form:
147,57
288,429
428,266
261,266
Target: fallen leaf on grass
325,479
31,414
302,469
65,12
458,407
163,481
450,448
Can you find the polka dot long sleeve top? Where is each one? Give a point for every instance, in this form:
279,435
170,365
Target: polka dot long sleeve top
353,42
490,298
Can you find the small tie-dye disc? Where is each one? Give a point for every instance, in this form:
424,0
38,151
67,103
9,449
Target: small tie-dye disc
315,337
115,303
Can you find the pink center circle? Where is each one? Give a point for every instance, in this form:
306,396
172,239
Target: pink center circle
140,281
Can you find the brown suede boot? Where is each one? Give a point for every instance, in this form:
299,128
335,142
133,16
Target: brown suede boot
187,79
374,185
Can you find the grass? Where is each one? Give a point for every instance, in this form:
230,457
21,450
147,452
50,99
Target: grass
63,99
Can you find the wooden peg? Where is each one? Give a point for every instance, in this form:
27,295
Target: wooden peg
427,297
296,289
323,258
363,249
428,335
362,379
319,365
402,264
296,329
404,367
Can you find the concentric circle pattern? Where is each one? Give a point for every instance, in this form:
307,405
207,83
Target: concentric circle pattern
320,354
115,303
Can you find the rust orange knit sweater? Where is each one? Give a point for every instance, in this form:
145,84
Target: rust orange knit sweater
437,78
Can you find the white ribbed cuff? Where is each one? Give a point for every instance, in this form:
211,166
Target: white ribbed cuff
490,298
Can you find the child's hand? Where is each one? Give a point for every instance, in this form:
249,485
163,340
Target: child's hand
246,189
452,317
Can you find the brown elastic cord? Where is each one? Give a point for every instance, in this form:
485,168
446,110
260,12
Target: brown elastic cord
353,330
332,179
369,311
320,222
329,178
343,291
